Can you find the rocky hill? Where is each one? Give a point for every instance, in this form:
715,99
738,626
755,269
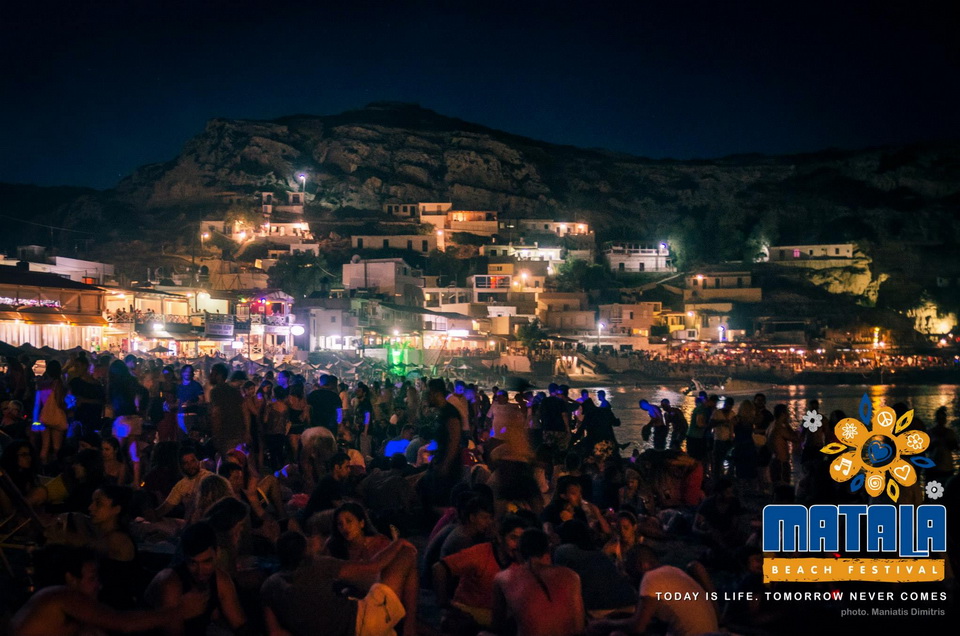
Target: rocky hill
398,152
710,210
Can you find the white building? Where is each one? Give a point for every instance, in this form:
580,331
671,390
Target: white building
271,203
547,226
392,277
623,256
75,269
787,253
523,252
422,243
47,310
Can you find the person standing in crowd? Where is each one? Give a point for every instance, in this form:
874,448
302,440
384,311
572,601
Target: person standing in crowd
779,437
677,421
190,398
445,467
229,420
697,442
89,395
127,398
325,405
722,423
50,411
555,420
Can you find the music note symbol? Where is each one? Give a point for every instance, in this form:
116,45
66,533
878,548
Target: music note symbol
844,466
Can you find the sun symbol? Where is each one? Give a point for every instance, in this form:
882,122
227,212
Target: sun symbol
879,456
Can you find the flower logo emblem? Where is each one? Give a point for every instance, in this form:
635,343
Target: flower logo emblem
878,456
934,490
812,421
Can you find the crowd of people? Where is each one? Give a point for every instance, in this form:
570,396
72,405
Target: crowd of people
153,499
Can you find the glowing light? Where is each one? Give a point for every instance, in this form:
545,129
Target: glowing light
458,333
297,330
396,332
690,313
699,276
236,344
157,326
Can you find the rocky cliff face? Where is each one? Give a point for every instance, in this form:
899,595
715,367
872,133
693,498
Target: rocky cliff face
393,153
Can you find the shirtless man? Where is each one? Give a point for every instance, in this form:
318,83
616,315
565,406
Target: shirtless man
543,599
198,573
72,608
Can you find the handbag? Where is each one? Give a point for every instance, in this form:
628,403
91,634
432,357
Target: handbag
52,416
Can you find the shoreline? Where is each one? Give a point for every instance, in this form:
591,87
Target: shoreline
906,377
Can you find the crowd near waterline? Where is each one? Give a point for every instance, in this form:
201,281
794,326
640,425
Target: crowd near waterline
163,499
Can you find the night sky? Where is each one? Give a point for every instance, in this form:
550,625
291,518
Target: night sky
94,88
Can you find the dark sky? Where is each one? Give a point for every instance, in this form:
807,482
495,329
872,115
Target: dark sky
91,89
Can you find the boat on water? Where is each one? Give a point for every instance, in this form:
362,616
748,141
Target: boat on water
725,386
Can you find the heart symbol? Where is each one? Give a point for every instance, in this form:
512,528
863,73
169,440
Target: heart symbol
878,452
902,472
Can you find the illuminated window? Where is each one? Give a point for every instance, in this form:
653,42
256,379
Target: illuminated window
796,253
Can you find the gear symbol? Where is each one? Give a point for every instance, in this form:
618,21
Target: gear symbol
812,421
934,490
849,431
915,442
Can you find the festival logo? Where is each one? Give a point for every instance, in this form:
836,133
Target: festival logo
879,454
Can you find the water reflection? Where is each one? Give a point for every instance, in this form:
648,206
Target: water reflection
925,400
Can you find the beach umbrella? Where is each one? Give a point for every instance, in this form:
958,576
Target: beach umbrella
159,349
8,350
32,351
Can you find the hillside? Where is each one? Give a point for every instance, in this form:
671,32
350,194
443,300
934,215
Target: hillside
710,210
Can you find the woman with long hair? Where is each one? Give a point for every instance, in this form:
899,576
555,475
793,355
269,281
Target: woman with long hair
20,463
116,468
354,538
50,410
127,399
212,489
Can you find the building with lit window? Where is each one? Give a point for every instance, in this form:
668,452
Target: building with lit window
47,310
422,243
392,277
624,256
792,253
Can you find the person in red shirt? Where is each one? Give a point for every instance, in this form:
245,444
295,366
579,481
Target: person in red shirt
475,568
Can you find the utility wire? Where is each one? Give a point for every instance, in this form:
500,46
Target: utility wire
52,227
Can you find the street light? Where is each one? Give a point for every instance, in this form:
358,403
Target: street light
203,236
600,326
303,183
